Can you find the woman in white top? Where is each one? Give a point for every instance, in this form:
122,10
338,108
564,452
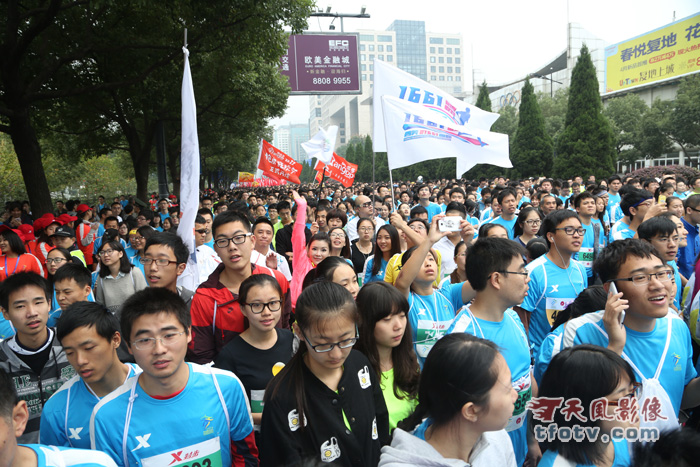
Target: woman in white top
118,279
465,399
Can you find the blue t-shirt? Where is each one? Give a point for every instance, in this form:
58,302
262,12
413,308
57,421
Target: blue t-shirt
433,210
430,316
65,419
53,456
622,456
6,328
509,335
368,276
551,345
509,225
193,424
585,255
613,207
453,293
679,285
551,290
620,231
644,349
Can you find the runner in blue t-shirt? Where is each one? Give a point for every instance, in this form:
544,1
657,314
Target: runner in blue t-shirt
173,413
14,415
496,270
662,233
508,217
90,336
594,238
556,278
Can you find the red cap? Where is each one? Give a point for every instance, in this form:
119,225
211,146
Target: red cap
82,208
4,228
63,219
27,232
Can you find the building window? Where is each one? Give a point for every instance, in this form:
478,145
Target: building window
458,60
449,69
362,47
371,57
389,58
458,69
380,57
459,78
442,78
371,47
432,50
371,67
433,78
449,50
441,69
432,69
364,77
441,50
441,60
371,76
363,67
389,48
436,40
383,38
449,59
367,37
363,57
452,41
432,59
380,48
457,52
449,78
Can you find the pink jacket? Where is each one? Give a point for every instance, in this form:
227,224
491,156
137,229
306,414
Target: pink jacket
301,264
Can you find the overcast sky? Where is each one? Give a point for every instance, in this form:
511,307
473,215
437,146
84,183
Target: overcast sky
509,38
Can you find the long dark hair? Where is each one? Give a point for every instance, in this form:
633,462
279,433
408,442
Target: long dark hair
585,372
345,251
376,301
522,217
14,242
316,304
454,276
324,270
124,264
460,368
395,246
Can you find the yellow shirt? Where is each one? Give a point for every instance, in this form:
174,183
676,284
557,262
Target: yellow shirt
394,266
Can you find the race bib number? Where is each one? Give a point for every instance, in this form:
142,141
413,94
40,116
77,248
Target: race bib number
585,257
554,306
204,454
428,333
524,390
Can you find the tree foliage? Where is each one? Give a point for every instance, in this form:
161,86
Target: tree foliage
531,149
586,146
483,101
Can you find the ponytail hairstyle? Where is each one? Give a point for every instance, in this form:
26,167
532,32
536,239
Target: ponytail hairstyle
376,301
316,306
460,368
395,246
258,280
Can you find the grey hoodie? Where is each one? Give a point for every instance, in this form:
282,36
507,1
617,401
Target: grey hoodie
493,449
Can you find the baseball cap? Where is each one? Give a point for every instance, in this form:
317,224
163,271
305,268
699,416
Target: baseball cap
27,232
66,218
64,231
82,208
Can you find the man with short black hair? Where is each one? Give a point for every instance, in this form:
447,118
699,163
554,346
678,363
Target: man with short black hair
207,259
593,240
509,206
33,357
164,260
71,284
262,254
90,336
688,254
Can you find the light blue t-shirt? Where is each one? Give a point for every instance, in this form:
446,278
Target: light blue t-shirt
551,345
622,456
65,419
368,276
433,210
585,255
192,424
6,328
679,285
644,349
551,290
55,456
430,317
509,225
620,231
509,335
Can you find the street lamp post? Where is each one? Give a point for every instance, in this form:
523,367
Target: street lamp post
551,81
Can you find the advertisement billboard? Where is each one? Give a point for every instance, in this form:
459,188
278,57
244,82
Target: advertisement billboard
322,64
660,55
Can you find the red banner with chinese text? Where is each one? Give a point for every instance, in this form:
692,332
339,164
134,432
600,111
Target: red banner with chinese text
339,169
277,165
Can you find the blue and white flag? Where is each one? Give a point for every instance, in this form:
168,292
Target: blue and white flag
322,144
391,81
415,134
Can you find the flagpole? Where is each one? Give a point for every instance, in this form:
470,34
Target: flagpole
391,184
320,186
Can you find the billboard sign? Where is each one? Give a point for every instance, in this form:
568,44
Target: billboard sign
660,55
322,64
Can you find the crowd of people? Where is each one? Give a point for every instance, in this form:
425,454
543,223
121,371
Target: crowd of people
447,323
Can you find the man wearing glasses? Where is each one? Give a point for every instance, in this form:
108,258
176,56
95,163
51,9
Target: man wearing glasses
634,205
173,413
556,278
691,219
638,325
496,270
164,260
207,259
364,208
216,312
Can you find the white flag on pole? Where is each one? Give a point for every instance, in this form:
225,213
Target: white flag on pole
322,144
189,176
415,134
391,81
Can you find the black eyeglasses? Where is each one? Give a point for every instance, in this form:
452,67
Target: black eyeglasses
158,261
643,279
258,308
573,230
520,273
344,344
236,239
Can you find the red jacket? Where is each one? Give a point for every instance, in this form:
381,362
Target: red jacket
217,318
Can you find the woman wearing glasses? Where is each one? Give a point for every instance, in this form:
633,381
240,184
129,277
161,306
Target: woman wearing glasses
340,243
363,247
326,404
611,390
117,279
527,225
261,351
138,241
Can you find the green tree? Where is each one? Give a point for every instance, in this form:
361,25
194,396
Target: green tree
483,101
531,149
554,111
586,146
657,130
626,115
686,117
